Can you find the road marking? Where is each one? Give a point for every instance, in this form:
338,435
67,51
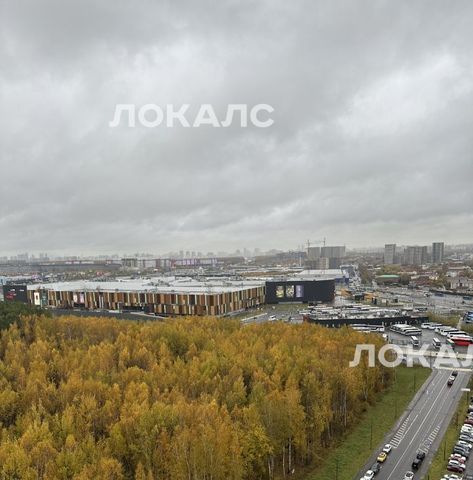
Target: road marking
402,432
417,431
427,443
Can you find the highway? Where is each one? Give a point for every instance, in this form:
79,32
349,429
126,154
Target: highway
422,426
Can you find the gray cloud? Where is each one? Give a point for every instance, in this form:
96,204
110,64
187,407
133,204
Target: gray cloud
371,142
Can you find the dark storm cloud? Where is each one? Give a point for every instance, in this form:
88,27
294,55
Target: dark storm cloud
371,142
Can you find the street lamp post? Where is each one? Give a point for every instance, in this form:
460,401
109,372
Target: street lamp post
371,434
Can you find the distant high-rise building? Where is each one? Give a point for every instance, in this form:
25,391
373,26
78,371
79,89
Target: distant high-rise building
333,252
390,254
437,252
415,255
313,253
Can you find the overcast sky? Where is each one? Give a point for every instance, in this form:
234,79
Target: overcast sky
372,139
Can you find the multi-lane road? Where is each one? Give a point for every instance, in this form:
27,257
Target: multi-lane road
422,426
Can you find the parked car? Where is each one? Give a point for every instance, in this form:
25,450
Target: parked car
451,476
464,452
465,437
454,466
456,456
456,462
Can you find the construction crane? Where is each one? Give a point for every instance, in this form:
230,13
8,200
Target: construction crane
311,242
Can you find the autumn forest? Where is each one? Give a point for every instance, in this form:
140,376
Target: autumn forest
193,399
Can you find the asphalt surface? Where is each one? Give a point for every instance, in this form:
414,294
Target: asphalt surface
435,302
422,426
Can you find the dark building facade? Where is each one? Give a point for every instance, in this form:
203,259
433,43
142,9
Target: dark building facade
301,291
15,293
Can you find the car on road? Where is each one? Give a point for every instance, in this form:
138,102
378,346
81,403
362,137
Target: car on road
382,457
409,475
416,464
420,455
376,467
450,380
455,373
387,448
369,475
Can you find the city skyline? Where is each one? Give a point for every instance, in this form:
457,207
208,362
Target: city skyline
251,251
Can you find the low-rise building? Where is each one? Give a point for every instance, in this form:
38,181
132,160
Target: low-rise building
461,283
161,295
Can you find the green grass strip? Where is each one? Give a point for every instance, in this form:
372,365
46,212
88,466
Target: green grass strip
345,460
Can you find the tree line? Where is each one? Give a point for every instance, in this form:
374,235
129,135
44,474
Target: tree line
190,399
